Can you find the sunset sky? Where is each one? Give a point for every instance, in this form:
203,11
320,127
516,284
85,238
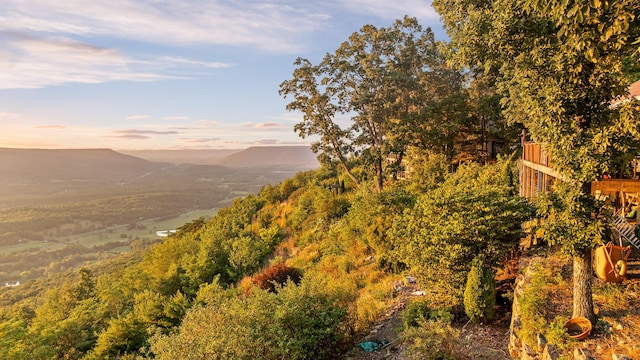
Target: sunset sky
167,74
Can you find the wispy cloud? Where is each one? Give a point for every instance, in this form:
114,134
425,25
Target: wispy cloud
128,137
51,127
195,63
393,9
200,141
137,117
145,132
33,62
269,26
182,117
266,125
9,114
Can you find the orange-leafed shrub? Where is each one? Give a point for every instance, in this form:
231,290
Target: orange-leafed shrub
277,274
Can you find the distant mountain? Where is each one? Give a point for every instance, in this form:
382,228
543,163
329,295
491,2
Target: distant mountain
38,176
296,157
283,157
45,165
200,157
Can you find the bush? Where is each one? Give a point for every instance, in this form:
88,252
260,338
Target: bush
480,292
420,310
277,275
297,322
431,340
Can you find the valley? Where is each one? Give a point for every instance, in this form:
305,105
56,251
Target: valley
64,208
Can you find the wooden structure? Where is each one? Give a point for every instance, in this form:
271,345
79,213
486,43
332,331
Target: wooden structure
536,174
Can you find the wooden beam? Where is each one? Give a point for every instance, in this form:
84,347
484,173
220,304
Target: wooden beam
543,169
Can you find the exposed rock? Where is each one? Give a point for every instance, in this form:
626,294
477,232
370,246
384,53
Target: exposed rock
528,353
542,342
550,352
517,349
582,354
620,357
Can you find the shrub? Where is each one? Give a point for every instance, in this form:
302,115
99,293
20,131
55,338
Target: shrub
275,275
480,291
420,310
297,322
431,340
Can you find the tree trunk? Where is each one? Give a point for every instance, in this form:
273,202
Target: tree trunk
582,275
379,175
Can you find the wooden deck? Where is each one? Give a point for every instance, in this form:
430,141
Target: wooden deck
538,176
536,173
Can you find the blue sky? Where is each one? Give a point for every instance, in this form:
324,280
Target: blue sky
167,74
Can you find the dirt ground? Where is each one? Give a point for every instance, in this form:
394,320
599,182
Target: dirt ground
476,341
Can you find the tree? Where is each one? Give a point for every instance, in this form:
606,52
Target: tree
558,66
480,291
474,211
378,79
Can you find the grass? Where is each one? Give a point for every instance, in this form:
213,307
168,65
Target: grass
113,234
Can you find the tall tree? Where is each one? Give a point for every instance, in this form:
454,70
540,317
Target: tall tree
376,78
557,76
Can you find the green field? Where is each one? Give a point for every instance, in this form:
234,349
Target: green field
146,230
32,259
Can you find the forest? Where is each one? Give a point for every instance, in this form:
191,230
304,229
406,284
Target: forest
422,181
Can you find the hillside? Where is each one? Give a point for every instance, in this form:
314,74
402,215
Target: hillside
199,157
46,176
45,165
282,157
299,157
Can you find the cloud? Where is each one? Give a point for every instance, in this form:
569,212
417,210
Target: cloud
176,118
129,137
148,132
200,141
137,117
393,9
51,127
195,63
266,125
270,26
9,114
275,142
35,62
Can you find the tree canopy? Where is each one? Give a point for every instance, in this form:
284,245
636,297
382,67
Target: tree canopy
394,87
559,67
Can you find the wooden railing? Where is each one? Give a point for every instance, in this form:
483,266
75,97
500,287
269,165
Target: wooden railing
535,153
536,175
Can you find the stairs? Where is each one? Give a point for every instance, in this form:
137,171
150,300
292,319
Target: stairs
626,230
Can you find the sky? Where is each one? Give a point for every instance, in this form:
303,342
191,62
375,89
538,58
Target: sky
168,74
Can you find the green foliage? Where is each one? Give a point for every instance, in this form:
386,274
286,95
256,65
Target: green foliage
574,220
297,322
480,291
395,85
473,212
535,302
123,335
370,217
433,340
419,311
559,67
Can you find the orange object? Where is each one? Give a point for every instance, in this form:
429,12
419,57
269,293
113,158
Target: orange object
610,262
578,328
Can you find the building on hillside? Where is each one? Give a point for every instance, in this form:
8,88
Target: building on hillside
537,174
621,190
